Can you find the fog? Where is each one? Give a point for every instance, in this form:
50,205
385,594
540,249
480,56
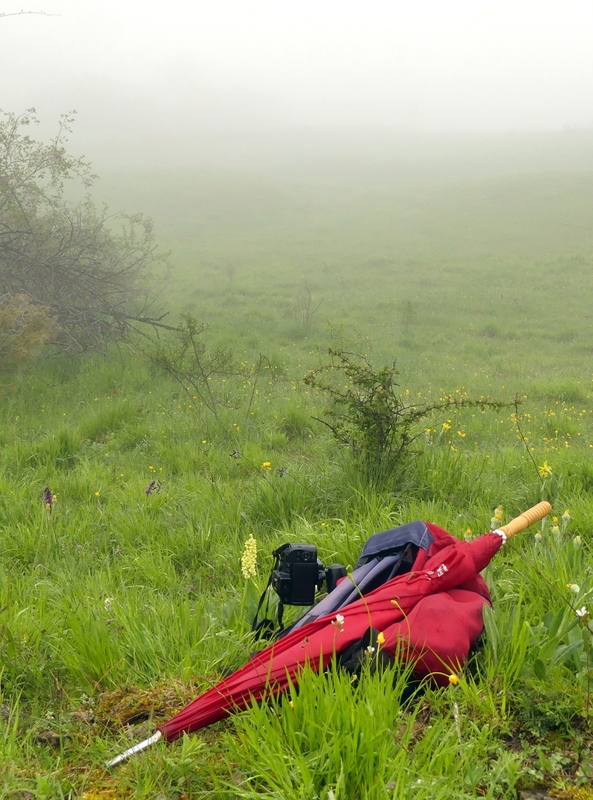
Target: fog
209,81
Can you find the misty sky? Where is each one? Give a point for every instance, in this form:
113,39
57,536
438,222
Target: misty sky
419,65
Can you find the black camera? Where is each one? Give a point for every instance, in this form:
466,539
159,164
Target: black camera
298,574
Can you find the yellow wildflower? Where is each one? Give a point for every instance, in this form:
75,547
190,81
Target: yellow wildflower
454,679
249,558
545,470
380,638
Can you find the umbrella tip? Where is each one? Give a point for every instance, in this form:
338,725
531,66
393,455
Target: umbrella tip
137,748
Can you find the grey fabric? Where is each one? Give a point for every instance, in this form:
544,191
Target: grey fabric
381,559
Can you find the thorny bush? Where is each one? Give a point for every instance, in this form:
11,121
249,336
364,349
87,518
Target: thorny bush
368,413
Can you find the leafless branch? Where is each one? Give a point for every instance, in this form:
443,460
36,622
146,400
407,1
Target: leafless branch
24,13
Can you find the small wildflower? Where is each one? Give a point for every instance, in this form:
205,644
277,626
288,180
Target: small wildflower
573,587
48,498
538,537
497,518
267,465
555,529
338,622
97,494
370,650
249,558
583,612
204,441
454,679
566,516
468,531
545,470
291,703
380,638
446,426
577,541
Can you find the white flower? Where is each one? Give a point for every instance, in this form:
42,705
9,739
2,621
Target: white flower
582,612
249,558
370,650
574,587
338,621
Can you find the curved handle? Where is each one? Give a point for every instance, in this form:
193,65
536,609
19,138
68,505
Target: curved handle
527,518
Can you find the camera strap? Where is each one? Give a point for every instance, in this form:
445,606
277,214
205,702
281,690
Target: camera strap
265,627
255,625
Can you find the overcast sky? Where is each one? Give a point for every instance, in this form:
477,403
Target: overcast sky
419,64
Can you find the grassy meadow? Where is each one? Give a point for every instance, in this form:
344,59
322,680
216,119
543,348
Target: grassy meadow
121,594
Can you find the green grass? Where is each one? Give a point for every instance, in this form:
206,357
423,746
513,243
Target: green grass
478,287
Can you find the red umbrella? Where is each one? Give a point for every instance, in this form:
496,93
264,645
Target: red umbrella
432,614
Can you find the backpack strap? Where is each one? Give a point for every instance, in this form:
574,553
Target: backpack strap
395,540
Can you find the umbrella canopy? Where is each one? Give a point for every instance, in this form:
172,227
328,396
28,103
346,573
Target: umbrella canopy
432,614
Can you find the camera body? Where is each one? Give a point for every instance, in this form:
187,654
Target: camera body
298,574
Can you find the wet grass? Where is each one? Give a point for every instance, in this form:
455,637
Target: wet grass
123,598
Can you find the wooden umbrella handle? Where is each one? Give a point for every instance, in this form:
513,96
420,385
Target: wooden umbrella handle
527,518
